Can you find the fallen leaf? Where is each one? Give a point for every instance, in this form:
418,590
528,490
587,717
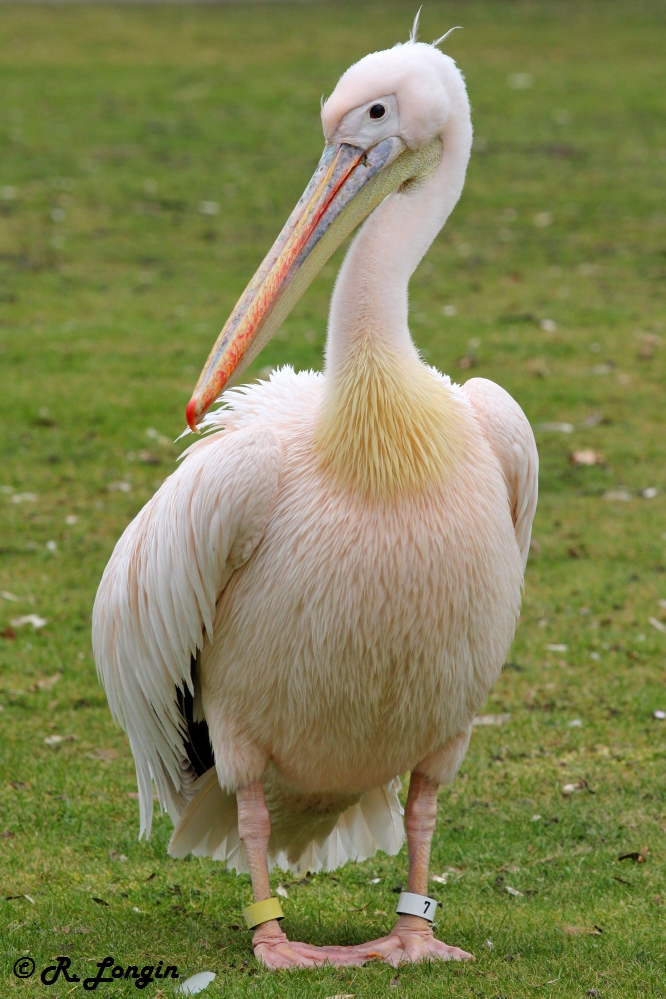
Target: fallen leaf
151,876
580,785
586,457
555,427
659,625
53,740
100,901
618,496
591,421
492,719
6,595
512,891
6,834
581,930
48,681
638,856
538,367
9,634
34,619
649,342
159,438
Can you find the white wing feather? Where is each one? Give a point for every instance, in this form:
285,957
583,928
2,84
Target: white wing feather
159,591
509,433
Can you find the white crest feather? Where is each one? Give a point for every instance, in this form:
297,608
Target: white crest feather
446,34
414,33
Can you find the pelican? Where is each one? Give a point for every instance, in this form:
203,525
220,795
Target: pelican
321,596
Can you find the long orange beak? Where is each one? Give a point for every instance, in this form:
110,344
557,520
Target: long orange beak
320,221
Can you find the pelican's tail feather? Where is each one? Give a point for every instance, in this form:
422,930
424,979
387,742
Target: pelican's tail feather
308,833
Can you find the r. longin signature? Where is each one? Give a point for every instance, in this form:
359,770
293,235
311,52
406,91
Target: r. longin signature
141,977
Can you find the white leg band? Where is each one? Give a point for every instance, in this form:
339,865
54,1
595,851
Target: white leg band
411,904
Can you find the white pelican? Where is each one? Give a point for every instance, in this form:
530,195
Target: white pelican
322,595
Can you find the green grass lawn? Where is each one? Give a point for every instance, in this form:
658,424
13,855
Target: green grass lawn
148,157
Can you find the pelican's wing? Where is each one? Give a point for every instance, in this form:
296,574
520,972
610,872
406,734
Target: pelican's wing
509,433
159,591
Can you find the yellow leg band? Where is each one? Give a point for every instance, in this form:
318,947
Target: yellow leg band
261,912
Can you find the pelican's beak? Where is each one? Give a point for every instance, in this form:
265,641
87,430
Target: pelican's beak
346,186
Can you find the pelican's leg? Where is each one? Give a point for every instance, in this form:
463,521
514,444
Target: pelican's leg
271,945
412,938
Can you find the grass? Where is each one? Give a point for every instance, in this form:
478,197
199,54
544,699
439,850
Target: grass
117,124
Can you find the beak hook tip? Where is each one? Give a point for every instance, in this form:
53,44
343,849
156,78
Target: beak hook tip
191,415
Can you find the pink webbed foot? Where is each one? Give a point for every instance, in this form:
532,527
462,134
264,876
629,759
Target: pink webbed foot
274,950
411,940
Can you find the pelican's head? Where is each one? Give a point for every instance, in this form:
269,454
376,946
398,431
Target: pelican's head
383,126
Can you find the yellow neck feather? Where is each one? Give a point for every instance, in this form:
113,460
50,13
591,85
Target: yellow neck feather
388,425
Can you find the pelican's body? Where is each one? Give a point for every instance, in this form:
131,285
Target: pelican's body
331,580
347,645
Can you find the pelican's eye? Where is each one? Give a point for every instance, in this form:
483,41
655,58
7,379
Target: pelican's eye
377,111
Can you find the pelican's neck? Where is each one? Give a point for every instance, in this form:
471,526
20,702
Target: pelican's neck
369,304
387,424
